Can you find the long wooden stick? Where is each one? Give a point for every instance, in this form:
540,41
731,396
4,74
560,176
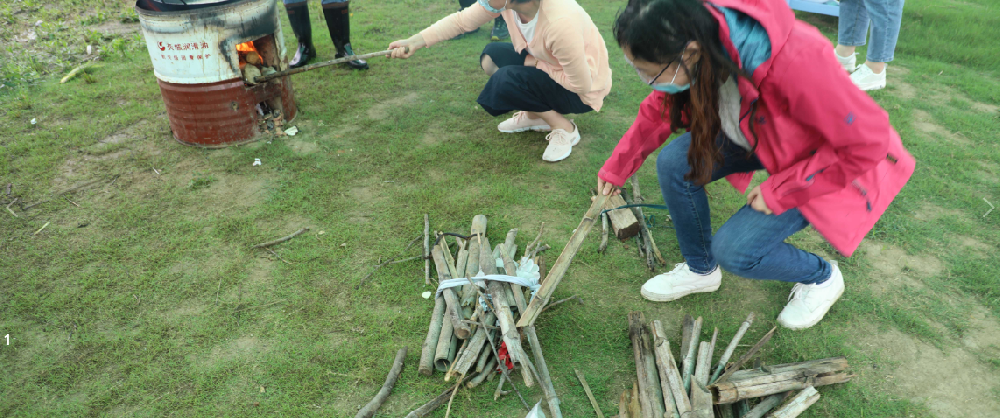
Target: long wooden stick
538,238
798,404
349,58
749,354
501,307
511,269
665,361
701,398
637,198
590,395
280,240
551,399
731,348
390,381
428,349
453,306
446,344
491,368
427,250
766,405
604,234
558,269
435,403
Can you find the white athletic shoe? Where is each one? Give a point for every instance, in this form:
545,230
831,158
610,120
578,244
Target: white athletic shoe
680,282
866,79
808,303
560,144
849,63
520,122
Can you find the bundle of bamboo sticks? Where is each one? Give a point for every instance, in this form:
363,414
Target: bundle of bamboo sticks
693,388
476,334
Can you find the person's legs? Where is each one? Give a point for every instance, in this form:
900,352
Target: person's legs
298,16
752,245
496,56
852,28
338,21
689,210
886,17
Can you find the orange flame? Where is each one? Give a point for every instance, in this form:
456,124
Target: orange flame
246,47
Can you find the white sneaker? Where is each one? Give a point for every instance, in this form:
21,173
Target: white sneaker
560,144
521,122
849,63
866,79
680,282
808,303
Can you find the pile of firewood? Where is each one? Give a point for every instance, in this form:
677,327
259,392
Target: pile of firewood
476,332
694,389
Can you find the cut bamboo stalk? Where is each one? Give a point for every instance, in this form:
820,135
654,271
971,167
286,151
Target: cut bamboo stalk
590,395
435,403
558,269
732,347
501,308
692,354
766,405
429,348
453,357
461,260
538,239
797,404
508,244
635,406
701,398
652,375
687,325
742,408
448,259
724,411
473,348
623,404
665,361
499,392
747,356
508,265
483,374
752,383
623,221
453,306
646,393
545,381
390,381
469,292
445,343
427,249
711,351
604,234
486,355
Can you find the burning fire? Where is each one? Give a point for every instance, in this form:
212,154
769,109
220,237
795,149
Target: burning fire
246,47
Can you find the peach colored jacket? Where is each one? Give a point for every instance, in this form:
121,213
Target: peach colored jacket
567,44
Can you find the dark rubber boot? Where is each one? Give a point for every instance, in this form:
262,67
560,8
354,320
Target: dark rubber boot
298,16
338,20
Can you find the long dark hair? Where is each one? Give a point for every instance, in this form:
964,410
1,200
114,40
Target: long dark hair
659,31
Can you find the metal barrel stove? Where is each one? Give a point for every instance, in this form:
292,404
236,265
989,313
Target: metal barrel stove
202,58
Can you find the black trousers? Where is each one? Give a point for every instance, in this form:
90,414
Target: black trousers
517,87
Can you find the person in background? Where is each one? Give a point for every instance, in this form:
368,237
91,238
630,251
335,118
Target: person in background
754,89
338,21
557,64
885,17
499,31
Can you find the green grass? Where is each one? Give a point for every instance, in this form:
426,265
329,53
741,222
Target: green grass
146,300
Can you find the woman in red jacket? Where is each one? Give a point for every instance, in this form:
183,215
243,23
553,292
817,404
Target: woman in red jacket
754,89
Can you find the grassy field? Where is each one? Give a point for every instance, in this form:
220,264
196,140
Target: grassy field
141,296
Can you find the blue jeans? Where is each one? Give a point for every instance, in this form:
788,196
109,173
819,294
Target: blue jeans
323,2
750,244
885,17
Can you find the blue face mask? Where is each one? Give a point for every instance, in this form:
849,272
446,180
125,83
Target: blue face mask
670,88
491,9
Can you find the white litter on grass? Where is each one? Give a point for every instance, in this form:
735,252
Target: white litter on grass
90,49
536,412
291,131
426,295
256,162
33,121
38,23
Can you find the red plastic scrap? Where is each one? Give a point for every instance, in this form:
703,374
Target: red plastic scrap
504,356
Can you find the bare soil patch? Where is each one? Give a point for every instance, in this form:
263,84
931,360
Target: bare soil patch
895,268
925,123
381,110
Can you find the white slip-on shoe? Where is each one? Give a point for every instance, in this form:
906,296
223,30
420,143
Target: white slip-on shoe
520,122
680,282
849,63
561,144
808,303
866,79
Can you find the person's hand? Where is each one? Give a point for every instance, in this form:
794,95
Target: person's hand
404,48
530,61
606,188
756,201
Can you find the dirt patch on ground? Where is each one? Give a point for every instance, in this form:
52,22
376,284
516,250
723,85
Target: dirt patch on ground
247,347
303,147
931,212
115,27
904,90
436,135
953,383
381,110
971,245
925,123
895,268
